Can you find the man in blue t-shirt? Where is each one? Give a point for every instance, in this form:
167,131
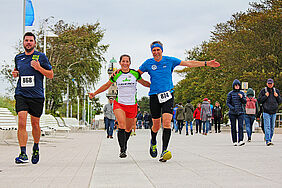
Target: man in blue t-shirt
160,69
30,67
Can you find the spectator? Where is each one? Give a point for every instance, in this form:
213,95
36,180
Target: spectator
197,117
189,109
109,117
251,110
139,120
211,120
174,119
217,116
270,98
180,117
260,118
205,115
146,120
236,101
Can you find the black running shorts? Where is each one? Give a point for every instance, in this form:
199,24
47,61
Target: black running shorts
34,106
157,108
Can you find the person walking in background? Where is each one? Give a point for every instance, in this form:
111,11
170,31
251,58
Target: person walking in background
260,118
140,120
236,101
211,120
251,111
174,118
197,117
180,117
189,109
205,115
217,116
109,118
270,99
146,120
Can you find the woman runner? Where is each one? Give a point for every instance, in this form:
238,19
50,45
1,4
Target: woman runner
125,105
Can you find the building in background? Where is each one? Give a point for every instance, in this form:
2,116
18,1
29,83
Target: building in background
112,91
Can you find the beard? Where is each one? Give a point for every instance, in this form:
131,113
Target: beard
28,49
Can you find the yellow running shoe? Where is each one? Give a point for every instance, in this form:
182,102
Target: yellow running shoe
166,155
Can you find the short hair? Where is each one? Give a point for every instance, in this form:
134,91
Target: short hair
124,55
156,42
29,34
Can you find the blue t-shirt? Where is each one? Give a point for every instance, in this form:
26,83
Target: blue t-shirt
160,73
30,82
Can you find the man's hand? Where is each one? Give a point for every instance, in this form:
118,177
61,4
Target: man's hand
91,95
35,65
267,94
240,95
275,94
15,73
213,63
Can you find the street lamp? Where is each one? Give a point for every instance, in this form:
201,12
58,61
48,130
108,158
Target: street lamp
45,51
68,71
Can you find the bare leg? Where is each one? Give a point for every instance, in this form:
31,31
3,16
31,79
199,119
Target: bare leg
36,131
22,134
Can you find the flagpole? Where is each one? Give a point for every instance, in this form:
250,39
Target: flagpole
24,17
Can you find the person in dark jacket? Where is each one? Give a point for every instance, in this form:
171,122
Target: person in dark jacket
189,109
139,120
146,120
236,101
180,117
217,116
251,114
270,98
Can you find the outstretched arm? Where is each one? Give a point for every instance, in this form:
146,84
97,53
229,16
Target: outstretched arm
192,63
144,82
101,89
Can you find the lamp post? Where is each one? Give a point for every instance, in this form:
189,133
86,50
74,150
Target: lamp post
45,51
68,71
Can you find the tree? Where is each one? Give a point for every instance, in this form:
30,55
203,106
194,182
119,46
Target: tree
248,47
76,56
144,104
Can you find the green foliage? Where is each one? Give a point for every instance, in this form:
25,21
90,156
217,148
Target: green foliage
248,48
6,102
144,104
76,56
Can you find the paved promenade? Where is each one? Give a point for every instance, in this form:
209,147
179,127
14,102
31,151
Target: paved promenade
89,159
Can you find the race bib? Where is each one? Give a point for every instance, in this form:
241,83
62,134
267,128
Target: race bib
165,96
27,81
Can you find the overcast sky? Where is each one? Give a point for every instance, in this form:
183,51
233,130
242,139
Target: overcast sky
131,25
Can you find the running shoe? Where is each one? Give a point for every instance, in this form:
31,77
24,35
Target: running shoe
241,143
166,155
122,155
153,150
35,156
235,143
22,158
